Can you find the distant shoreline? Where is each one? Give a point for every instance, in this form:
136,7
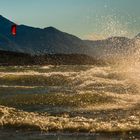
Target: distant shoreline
15,58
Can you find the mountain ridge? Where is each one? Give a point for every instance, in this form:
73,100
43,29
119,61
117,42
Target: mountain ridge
49,40
41,41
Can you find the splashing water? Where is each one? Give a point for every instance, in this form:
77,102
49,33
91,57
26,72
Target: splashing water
130,66
67,98
74,99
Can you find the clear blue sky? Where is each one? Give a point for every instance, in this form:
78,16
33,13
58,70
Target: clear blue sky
84,18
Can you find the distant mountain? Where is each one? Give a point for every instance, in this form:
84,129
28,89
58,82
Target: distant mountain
37,41
114,47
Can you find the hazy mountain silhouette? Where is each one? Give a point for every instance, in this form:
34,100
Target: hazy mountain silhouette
39,41
111,48
52,41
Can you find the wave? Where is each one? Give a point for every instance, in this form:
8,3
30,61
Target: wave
70,99
14,118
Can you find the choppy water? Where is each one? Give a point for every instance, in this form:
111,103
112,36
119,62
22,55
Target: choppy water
70,99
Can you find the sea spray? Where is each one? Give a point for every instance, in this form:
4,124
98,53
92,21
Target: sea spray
96,99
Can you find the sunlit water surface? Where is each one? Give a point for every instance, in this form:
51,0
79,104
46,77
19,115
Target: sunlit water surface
86,102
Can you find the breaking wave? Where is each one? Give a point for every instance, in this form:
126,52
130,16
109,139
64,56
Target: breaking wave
70,98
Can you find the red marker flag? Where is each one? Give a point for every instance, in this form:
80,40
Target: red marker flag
14,29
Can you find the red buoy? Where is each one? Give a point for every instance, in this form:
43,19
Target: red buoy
14,29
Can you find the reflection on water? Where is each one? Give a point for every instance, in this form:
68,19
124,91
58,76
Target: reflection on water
72,99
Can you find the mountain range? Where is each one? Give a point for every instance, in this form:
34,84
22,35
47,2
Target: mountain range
37,41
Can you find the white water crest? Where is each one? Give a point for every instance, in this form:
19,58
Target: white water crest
71,98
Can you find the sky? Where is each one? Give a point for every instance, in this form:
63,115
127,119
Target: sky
87,19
